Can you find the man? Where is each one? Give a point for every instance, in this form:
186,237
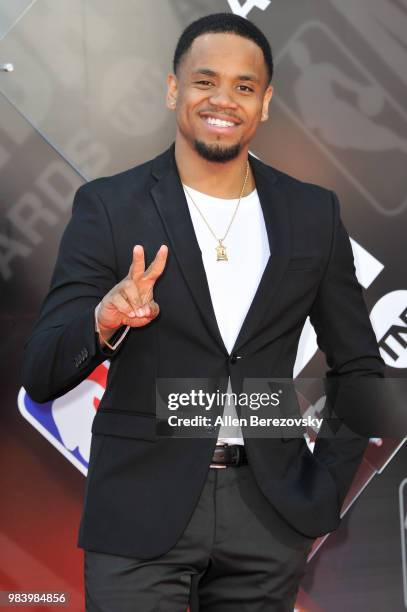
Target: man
239,255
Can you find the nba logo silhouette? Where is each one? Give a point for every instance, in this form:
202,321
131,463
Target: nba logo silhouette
352,118
67,421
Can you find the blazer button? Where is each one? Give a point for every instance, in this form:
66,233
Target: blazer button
233,358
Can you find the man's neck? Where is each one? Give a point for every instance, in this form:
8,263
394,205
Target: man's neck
221,180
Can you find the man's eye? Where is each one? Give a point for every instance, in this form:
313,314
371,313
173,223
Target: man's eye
203,83
246,88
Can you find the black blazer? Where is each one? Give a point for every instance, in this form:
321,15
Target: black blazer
142,488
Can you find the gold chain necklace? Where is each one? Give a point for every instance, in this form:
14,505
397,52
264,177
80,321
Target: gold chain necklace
221,254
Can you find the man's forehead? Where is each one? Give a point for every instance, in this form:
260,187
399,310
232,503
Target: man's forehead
217,50
210,42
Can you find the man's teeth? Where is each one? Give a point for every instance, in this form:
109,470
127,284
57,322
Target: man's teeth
219,122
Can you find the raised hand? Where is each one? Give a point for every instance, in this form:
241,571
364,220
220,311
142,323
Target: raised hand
131,301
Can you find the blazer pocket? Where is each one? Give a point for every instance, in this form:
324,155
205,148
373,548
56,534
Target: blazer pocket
308,262
125,425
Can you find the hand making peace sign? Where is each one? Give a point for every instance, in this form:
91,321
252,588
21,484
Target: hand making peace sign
131,301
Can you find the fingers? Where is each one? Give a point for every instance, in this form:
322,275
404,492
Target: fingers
129,291
156,268
122,303
134,294
137,265
149,310
137,270
134,315
145,314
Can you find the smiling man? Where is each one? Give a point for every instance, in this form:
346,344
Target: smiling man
239,255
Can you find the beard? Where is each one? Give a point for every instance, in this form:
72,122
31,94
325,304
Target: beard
217,153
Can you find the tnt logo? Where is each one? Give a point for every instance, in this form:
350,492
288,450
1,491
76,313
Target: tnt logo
66,422
389,320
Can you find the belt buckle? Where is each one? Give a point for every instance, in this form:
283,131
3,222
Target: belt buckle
222,453
222,456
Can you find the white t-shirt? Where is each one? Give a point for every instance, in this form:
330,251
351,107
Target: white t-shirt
232,283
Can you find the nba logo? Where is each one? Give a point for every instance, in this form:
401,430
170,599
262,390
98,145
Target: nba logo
67,421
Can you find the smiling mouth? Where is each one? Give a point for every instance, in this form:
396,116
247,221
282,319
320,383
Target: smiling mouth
219,123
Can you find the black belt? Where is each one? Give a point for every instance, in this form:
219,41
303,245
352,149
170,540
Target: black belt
230,454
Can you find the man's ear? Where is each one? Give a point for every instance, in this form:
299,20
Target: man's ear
268,94
172,91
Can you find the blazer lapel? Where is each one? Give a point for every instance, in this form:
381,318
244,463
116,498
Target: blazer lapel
172,207
276,217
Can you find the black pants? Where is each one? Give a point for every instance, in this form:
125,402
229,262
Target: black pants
241,555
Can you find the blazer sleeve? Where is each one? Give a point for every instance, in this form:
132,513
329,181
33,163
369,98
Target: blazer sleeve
344,333
63,348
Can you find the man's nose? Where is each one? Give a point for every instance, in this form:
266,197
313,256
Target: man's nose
222,98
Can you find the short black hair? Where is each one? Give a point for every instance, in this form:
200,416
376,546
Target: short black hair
223,22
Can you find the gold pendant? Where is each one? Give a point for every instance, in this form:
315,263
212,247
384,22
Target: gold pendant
221,252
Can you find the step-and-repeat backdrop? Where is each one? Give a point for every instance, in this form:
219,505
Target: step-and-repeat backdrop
82,87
